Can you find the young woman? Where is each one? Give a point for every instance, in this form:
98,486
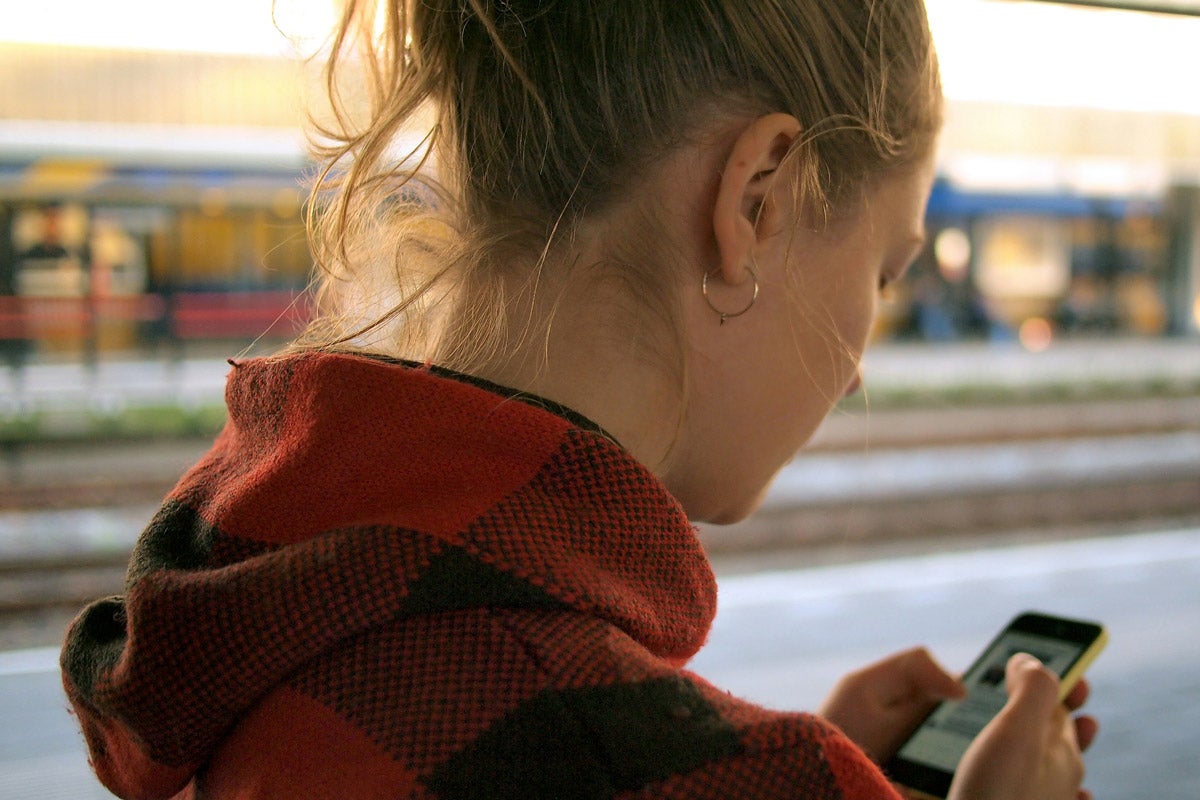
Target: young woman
443,547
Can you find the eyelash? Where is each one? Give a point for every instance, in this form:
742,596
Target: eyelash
888,280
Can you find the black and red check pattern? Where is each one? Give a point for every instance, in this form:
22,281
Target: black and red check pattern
385,581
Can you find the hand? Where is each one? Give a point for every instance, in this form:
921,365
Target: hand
880,705
1033,747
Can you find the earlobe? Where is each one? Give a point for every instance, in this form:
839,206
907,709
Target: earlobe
745,188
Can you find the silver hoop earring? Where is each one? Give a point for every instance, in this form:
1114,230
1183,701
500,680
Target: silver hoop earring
724,315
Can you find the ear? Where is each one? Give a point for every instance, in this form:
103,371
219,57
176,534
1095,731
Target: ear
743,194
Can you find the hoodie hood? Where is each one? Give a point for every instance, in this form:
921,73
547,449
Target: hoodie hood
346,492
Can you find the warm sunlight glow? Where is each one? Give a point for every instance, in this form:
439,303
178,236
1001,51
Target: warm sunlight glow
254,27
1052,55
952,250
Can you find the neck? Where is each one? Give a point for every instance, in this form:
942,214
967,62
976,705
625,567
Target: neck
586,345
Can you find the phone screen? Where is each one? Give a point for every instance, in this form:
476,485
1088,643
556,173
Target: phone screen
943,738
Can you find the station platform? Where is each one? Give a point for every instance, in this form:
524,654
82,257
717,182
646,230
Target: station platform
121,381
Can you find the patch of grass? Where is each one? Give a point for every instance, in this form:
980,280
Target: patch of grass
167,421
131,423
21,427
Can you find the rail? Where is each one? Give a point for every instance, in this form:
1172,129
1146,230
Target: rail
69,474
1135,461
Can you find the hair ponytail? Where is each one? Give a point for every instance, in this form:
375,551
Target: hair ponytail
530,115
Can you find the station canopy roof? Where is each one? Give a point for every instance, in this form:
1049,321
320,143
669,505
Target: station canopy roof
1188,7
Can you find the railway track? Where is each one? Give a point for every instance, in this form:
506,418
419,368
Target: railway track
878,476
929,473
39,596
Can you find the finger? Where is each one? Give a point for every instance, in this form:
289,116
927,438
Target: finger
1086,729
1078,694
1032,689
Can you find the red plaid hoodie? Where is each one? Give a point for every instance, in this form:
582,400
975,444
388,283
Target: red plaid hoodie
386,581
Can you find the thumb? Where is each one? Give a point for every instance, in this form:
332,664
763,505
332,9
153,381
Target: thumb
1032,689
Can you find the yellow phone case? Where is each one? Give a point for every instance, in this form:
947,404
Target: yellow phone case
1068,681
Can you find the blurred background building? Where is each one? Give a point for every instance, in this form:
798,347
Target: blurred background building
152,173
1066,203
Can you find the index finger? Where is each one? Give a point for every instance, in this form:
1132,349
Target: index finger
1032,689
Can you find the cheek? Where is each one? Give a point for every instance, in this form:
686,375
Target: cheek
862,321
834,338
839,301
857,305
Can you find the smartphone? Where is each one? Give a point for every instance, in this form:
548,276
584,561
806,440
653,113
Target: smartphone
926,762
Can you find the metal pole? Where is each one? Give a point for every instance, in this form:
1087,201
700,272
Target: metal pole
1188,9
1183,260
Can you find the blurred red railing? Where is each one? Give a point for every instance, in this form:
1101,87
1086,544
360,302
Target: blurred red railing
223,315
184,315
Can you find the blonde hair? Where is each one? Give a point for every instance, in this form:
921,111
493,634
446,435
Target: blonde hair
538,113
